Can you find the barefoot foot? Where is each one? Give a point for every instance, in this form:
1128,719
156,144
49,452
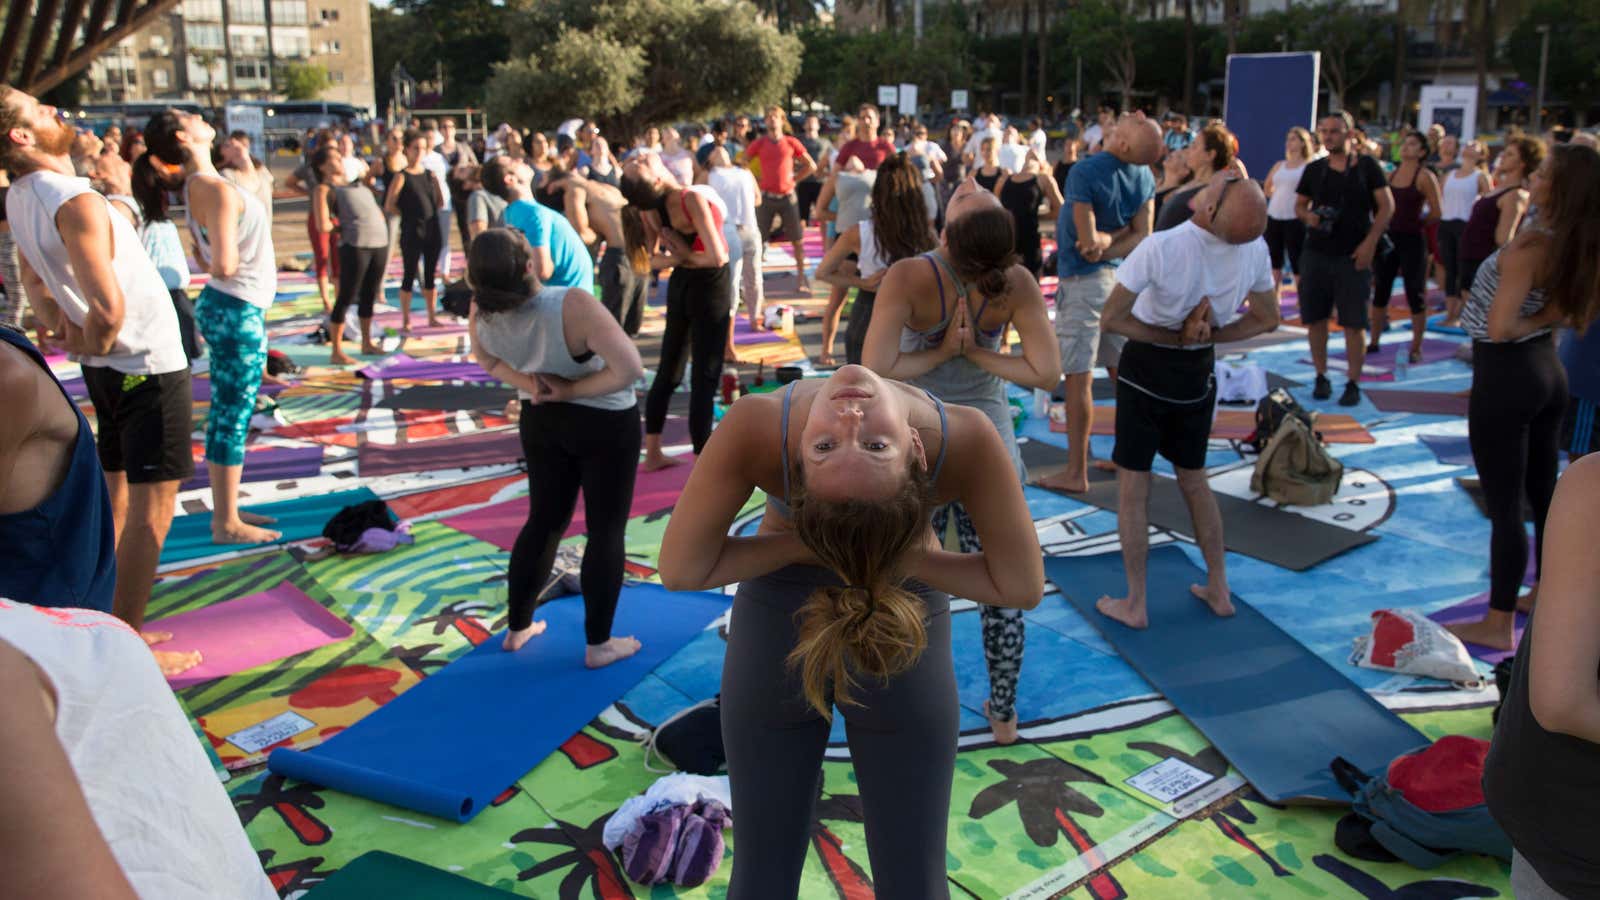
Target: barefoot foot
434,323
1218,598
238,532
341,359
597,655
1129,612
655,461
176,663
1004,730
370,350
1485,634
1526,601
515,639
1103,465
1065,480
152,638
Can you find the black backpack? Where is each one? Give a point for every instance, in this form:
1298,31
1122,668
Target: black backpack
1270,413
689,741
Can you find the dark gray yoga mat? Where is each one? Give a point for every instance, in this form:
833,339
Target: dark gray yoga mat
1434,403
464,397
483,449
1282,538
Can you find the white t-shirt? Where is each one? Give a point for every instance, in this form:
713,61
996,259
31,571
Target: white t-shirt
149,786
1092,137
149,342
975,143
355,168
737,188
439,167
1012,156
1173,270
871,255
255,281
1038,140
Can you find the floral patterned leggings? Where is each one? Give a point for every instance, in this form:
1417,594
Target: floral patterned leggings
237,333
1003,630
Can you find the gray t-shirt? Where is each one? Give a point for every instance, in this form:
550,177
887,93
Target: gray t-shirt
532,338
361,220
483,206
854,190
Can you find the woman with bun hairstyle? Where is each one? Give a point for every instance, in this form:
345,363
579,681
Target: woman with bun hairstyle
233,239
573,367
939,324
843,601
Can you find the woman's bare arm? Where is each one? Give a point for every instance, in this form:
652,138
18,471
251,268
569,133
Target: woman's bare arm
1563,692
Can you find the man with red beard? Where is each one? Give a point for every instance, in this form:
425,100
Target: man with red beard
90,281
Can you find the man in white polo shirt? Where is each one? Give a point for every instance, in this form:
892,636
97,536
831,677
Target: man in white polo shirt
1208,281
90,281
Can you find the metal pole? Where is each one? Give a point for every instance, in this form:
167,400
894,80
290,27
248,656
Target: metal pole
1077,90
916,19
1544,58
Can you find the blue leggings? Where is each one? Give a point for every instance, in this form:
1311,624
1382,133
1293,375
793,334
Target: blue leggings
237,334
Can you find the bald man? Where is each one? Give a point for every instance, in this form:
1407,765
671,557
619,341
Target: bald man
1109,209
1205,282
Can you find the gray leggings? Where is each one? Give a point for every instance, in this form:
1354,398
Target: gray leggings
902,744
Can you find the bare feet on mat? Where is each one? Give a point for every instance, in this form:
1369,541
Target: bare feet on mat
152,638
176,662
654,461
730,357
1124,610
1103,465
1218,598
341,359
1486,634
370,350
239,532
824,360
802,286
434,323
1004,730
1065,480
515,639
597,655
1526,601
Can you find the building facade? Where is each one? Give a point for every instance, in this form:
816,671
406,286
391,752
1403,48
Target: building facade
212,51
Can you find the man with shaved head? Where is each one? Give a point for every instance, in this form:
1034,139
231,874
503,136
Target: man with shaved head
1205,282
1109,209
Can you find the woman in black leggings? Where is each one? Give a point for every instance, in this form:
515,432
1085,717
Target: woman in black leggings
1408,253
1545,277
852,467
352,211
415,196
681,229
574,369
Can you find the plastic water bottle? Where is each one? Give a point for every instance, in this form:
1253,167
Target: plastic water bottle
1041,403
1401,362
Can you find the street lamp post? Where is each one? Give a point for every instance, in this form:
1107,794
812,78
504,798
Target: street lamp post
1544,59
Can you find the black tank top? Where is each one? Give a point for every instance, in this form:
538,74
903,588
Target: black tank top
419,201
1021,199
987,181
1408,203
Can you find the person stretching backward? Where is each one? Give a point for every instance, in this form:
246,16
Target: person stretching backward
1178,293
828,613
1408,253
574,369
415,196
926,332
1545,277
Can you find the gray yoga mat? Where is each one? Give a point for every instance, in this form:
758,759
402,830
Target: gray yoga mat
1282,538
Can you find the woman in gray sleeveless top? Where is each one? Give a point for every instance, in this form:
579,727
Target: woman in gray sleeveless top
574,368
363,245
939,322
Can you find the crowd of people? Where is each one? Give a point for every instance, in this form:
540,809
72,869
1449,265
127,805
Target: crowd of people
1165,249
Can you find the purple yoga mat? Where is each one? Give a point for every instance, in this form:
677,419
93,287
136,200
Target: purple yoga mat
1470,610
1432,351
744,335
500,523
270,464
241,634
489,449
199,387
1427,402
402,366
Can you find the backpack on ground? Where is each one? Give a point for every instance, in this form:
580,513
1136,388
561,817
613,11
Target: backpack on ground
1294,468
689,741
1271,410
1428,807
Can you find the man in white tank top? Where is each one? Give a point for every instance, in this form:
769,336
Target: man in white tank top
90,281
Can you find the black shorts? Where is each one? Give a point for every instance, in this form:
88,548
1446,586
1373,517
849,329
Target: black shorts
1285,237
806,194
1329,283
144,423
1165,402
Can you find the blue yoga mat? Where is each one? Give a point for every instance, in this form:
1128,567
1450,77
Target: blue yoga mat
1277,711
298,519
450,745
1436,325
1452,450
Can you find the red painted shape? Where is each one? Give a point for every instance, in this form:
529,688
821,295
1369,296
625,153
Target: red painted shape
847,876
586,752
346,686
608,883
472,630
305,827
1101,884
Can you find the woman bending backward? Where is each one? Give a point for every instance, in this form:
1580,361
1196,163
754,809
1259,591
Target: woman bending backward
844,600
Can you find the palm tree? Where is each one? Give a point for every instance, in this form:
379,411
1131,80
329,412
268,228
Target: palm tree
292,804
1045,803
593,866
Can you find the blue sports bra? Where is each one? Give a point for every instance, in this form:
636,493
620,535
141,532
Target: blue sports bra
929,338
781,506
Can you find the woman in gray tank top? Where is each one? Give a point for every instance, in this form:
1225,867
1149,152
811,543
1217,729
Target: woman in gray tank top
939,322
574,368
353,210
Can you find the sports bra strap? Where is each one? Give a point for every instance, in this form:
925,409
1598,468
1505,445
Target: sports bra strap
961,291
933,262
944,433
783,443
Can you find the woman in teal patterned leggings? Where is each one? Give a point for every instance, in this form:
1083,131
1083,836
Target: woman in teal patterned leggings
233,237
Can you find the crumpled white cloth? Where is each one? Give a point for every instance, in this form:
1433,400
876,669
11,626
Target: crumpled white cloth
669,790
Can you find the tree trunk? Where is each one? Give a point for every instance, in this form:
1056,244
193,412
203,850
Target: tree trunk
1188,55
1022,46
1397,91
1044,51
1231,23
887,7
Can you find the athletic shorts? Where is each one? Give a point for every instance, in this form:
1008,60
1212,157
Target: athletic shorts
806,193
782,206
144,423
1079,301
1328,283
1165,401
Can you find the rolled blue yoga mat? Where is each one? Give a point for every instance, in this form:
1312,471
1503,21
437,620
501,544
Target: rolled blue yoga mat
448,746
1276,710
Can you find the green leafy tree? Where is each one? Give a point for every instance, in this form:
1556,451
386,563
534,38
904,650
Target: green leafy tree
460,39
303,81
1573,69
1105,35
847,69
629,63
1354,42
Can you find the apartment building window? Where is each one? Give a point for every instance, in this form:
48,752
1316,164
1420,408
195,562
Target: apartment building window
336,76
246,12
289,12
328,48
202,10
329,15
203,37
159,79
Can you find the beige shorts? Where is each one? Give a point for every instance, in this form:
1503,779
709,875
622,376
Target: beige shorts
1079,302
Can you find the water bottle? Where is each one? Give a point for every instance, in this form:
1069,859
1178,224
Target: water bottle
1401,360
1041,403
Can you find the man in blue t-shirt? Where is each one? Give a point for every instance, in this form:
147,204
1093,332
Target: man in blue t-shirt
1108,210
558,253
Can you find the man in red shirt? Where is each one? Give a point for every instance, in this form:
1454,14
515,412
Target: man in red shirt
872,152
778,153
